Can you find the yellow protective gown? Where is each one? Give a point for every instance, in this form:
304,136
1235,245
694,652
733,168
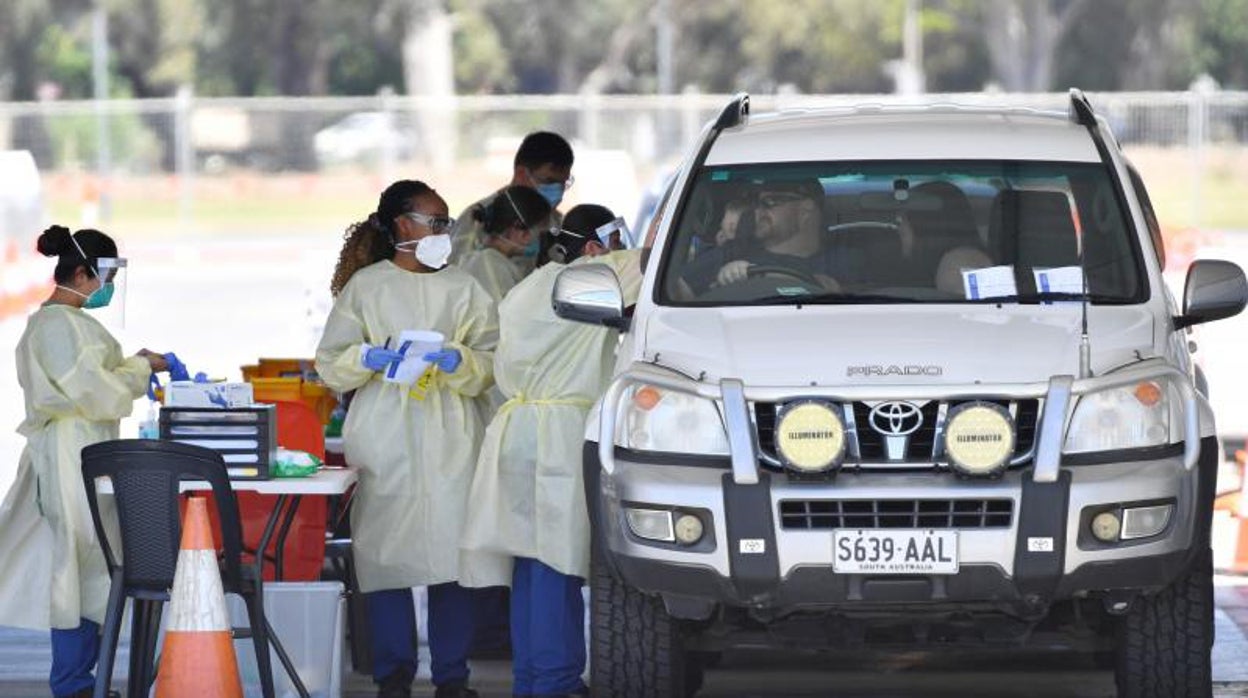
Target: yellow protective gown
528,496
467,233
77,386
416,453
496,272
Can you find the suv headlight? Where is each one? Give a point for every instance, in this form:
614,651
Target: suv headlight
669,421
1136,416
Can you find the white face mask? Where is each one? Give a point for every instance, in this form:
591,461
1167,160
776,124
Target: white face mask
433,251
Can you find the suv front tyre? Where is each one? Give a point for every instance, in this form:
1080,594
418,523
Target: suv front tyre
1164,641
637,649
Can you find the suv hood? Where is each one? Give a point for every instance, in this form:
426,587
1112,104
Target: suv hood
874,345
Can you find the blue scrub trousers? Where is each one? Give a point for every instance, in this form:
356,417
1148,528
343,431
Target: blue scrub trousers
392,618
547,630
74,655
493,609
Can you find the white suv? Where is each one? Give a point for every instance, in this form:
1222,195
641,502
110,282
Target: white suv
903,375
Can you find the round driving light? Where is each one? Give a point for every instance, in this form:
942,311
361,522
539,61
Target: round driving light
688,529
979,438
810,437
1106,526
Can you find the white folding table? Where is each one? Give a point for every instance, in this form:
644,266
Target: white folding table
290,491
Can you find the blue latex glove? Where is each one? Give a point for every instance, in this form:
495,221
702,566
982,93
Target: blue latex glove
378,358
447,360
177,369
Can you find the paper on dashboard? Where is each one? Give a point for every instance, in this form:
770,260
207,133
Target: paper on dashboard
989,282
1060,280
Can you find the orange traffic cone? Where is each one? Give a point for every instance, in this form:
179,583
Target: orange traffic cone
198,656
1240,565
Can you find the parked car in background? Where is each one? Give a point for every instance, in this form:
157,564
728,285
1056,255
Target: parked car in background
366,137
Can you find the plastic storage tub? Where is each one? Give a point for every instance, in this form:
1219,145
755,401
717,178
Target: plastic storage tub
308,617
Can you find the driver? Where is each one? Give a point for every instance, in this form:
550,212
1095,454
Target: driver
788,236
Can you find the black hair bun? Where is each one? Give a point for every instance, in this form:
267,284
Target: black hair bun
55,242
481,214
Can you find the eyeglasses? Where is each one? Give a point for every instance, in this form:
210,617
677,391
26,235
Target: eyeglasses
778,199
438,224
567,183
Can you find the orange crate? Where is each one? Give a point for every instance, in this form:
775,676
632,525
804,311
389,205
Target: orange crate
314,395
278,368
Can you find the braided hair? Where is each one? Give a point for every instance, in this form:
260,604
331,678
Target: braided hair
372,239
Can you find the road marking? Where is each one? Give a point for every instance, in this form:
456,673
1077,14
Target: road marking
1229,649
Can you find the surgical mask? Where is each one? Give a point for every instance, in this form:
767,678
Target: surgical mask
100,298
531,249
552,192
434,251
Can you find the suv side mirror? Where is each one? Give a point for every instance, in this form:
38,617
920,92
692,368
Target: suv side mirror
1214,290
590,294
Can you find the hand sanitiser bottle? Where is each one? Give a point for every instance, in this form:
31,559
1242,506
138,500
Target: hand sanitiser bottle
149,428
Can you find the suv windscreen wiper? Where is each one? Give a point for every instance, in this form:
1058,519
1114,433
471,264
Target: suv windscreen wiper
832,298
1050,296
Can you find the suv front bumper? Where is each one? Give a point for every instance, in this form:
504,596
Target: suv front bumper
794,571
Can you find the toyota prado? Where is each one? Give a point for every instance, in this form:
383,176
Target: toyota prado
903,377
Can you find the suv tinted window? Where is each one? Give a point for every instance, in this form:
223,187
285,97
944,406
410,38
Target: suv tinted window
909,232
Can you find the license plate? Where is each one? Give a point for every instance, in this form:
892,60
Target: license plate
894,551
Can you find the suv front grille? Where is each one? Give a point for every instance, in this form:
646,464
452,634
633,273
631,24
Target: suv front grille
826,514
924,446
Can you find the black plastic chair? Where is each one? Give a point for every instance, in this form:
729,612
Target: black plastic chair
145,476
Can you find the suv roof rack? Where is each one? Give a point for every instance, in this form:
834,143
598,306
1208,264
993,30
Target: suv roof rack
1081,111
735,113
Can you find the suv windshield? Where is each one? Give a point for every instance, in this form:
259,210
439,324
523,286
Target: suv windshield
902,232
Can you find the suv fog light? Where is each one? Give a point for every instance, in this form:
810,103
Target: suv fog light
810,437
1143,522
688,529
979,438
1106,526
651,524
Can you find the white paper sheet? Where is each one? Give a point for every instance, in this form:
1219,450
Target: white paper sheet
989,282
1059,280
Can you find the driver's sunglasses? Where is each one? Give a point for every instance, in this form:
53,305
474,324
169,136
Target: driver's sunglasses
773,200
438,224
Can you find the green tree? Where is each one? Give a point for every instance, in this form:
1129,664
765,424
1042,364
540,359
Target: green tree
955,52
1223,32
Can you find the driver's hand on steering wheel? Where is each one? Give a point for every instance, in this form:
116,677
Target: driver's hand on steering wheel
830,285
733,272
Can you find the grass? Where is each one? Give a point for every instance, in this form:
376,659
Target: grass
1168,174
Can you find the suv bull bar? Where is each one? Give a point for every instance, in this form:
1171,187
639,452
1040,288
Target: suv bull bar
1058,394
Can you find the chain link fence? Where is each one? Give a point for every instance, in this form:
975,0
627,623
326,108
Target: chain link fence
210,162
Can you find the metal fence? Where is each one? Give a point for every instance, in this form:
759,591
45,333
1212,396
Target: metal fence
192,144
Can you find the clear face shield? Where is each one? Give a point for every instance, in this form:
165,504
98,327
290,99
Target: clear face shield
110,300
624,239
109,295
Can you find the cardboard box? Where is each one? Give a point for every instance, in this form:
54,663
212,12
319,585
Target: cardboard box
223,395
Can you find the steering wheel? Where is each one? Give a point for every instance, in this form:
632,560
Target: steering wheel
864,225
756,271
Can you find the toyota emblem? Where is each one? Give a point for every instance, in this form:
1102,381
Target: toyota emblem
896,418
